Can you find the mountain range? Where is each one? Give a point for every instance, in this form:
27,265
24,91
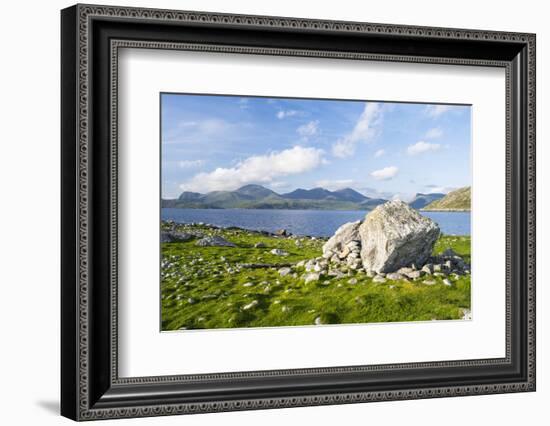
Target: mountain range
259,197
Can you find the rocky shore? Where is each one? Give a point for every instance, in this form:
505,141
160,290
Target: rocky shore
391,266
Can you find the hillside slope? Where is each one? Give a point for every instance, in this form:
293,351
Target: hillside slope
457,200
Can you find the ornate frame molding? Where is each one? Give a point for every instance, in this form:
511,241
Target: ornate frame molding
82,16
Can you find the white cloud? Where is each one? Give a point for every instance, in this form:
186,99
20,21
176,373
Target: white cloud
333,185
309,129
385,174
189,164
406,197
421,147
379,153
257,169
436,110
432,189
364,130
286,113
434,133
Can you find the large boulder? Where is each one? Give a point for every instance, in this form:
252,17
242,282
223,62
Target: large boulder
344,236
394,236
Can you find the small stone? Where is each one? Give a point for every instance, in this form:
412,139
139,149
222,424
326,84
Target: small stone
285,308
250,305
279,252
429,282
312,276
259,245
191,301
447,282
249,284
427,268
405,270
352,281
215,241
282,232
415,274
379,279
318,321
394,276
466,314
284,271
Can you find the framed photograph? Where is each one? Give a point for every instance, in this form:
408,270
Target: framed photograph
263,212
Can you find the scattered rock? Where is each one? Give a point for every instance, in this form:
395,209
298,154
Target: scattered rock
379,279
337,244
249,284
466,314
279,252
447,282
215,241
394,235
394,276
191,301
352,281
413,275
312,276
175,237
282,232
250,305
283,272
429,282
259,245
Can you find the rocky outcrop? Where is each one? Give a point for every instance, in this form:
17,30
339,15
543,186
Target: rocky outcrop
394,235
344,237
175,237
215,241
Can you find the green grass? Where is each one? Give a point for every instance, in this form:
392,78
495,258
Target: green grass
201,287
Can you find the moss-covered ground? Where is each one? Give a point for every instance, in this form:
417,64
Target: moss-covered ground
204,287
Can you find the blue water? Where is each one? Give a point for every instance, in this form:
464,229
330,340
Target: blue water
319,223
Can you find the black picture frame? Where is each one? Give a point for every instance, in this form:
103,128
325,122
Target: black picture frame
90,386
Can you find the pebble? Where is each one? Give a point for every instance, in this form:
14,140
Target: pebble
248,284
447,282
284,271
379,279
353,281
250,305
312,276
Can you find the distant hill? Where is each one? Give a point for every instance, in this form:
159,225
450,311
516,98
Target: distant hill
422,200
458,200
259,197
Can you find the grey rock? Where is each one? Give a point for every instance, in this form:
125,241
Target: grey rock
429,282
379,279
447,282
466,314
284,271
394,235
312,276
394,276
282,232
215,241
259,245
413,275
428,268
352,281
318,321
344,234
279,252
251,305
175,237
249,284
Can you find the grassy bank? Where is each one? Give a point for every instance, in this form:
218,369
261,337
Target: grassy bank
207,287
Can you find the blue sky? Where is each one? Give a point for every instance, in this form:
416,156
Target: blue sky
391,150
